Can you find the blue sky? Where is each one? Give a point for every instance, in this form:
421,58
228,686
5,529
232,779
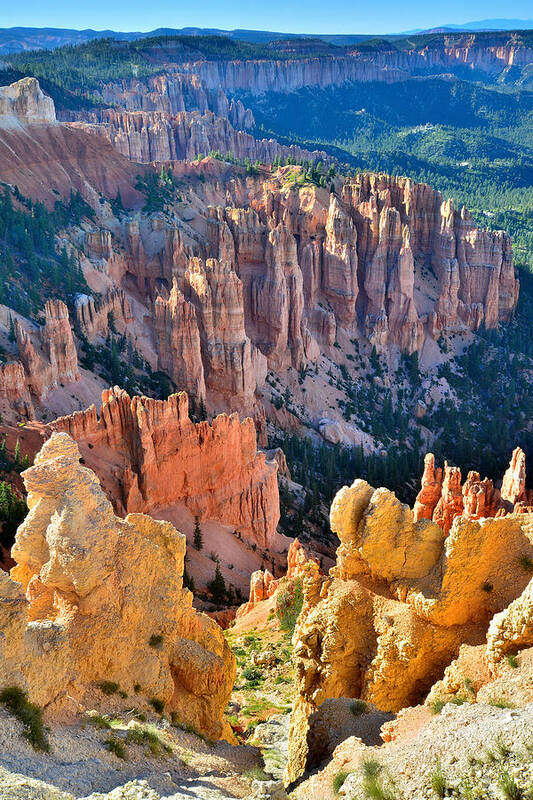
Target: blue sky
302,16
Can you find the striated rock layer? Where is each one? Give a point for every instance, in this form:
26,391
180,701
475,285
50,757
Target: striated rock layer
53,358
401,600
90,590
148,455
146,136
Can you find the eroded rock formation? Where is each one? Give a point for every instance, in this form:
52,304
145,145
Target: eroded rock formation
149,455
355,259
443,497
402,599
263,585
51,358
145,136
14,388
95,316
90,590
24,101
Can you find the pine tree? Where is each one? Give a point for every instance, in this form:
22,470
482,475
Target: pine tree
202,412
217,586
17,453
198,537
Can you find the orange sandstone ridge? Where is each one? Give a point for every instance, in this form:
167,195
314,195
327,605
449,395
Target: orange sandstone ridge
148,455
263,585
442,497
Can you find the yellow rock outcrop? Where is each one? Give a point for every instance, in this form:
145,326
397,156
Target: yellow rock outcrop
401,600
96,598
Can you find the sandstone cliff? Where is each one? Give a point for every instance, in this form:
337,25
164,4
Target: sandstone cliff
52,358
149,455
45,159
146,136
491,53
90,590
24,102
400,602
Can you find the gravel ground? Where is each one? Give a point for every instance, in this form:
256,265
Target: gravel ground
472,750
79,765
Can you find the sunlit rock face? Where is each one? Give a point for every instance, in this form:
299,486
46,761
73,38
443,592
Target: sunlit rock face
88,592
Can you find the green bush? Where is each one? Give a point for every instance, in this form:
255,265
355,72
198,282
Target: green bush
147,736
157,704
99,721
156,640
289,604
438,781
109,687
358,707
17,703
252,675
116,747
338,781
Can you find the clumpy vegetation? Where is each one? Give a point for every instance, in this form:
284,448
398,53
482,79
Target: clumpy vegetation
289,603
109,687
338,781
117,747
149,738
17,703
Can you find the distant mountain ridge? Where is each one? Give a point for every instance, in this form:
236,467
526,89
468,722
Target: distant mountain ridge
480,25
18,39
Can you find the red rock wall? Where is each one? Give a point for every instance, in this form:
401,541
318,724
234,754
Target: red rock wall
148,455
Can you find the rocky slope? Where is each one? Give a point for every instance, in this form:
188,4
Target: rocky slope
44,159
90,590
148,454
402,599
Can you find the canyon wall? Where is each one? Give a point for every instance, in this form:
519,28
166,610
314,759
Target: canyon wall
355,259
146,136
401,600
173,93
88,593
149,455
